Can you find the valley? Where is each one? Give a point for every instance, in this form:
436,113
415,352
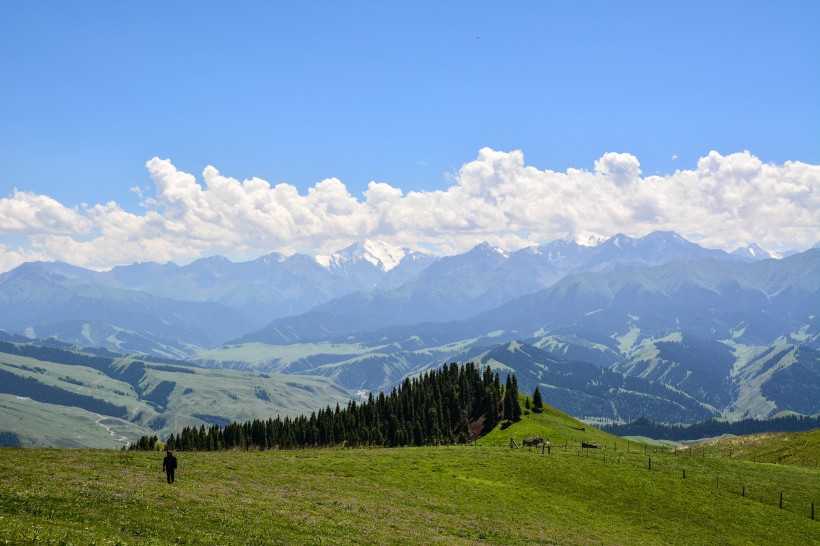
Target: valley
611,329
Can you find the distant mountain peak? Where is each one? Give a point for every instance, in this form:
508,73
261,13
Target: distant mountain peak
381,254
667,235
215,259
754,252
487,248
620,240
585,238
272,258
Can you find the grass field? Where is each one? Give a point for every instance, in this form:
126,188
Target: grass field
793,448
224,393
64,426
477,494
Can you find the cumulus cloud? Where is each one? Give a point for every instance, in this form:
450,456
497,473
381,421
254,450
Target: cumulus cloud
724,202
620,168
31,213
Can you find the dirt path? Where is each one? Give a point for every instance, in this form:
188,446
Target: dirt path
121,439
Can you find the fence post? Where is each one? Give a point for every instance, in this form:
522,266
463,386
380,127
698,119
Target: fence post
744,490
812,510
650,463
684,473
781,500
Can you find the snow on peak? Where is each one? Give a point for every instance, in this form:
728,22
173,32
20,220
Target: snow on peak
272,258
585,238
754,252
379,253
490,249
383,255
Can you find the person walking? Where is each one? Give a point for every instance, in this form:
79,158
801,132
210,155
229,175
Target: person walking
169,464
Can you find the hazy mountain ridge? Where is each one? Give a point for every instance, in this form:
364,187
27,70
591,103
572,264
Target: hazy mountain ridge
720,332
588,391
363,287
691,326
40,297
457,287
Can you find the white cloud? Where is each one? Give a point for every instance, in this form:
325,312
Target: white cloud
620,168
726,201
26,212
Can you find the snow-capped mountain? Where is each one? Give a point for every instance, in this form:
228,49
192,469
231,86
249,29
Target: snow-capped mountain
370,264
380,254
368,283
585,238
455,287
754,252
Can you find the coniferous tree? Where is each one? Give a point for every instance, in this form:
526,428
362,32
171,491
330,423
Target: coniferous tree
508,411
438,407
537,403
516,406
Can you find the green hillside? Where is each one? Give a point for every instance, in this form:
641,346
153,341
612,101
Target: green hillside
554,426
474,494
57,397
792,448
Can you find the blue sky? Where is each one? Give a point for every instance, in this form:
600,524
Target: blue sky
395,92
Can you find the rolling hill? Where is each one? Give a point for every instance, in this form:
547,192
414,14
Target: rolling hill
457,495
55,396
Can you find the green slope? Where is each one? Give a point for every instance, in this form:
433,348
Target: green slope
40,424
456,495
484,493
55,397
792,448
554,426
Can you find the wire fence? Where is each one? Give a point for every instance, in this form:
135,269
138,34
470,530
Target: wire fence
754,482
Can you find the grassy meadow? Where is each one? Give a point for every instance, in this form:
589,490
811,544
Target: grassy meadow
222,393
478,494
793,448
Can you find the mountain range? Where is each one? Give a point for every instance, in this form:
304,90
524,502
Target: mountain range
610,328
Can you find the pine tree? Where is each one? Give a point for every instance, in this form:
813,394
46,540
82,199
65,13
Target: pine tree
537,403
436,408
508,411
516,406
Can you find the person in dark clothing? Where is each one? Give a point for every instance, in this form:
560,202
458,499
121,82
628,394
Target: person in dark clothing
169,464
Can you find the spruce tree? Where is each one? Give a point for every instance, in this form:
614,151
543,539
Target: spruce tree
537,403
508,411
437,407
516,406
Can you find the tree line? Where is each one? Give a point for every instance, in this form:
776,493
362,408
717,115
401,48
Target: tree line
451,405
712,427
29,387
